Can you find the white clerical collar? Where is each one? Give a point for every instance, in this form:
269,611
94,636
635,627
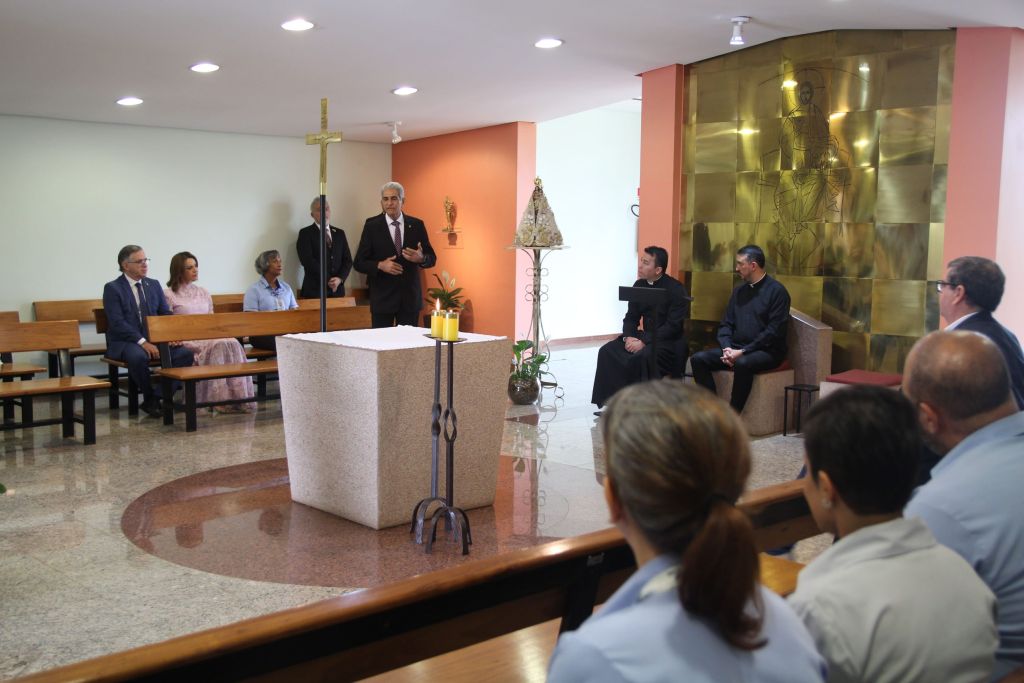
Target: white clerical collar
763,276
651,282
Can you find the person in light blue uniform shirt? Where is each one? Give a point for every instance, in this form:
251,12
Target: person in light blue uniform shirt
677,458
974,503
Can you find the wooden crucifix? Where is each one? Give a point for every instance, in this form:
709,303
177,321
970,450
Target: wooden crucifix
323,138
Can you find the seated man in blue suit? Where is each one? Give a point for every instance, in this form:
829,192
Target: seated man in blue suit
127,301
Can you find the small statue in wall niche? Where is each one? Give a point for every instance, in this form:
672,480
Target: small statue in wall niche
451,210
538,227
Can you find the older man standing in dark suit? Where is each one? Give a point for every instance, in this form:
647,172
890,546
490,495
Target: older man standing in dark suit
128,301
970,292
392,250
339,258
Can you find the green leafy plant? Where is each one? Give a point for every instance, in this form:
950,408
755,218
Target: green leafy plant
527,367
447,293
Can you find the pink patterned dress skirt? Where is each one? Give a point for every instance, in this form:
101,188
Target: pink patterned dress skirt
194,299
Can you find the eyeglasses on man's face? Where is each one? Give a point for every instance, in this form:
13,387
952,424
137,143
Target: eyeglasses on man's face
139,262
939,284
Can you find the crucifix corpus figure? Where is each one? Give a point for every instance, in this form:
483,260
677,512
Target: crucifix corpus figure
323,138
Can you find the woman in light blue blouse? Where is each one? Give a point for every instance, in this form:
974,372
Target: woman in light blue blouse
677,458
269,293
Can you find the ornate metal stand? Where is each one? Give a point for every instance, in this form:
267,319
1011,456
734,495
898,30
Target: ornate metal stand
536,294
455,519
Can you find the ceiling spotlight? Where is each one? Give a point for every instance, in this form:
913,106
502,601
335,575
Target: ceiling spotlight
404,90
548,43
737,30
129,101
395,137
204,68
297,25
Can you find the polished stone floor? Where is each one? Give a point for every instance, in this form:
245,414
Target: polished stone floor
154,532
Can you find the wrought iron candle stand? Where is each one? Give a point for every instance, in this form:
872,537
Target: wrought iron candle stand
455,519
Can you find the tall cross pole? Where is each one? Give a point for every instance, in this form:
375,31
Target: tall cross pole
323,138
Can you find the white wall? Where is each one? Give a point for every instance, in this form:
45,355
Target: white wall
590,165
72,194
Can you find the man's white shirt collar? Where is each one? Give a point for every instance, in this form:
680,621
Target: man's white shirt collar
959,321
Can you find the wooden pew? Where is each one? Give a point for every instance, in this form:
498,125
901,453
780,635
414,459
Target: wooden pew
165,329
10,371
379,629
115,367
70,309
40,336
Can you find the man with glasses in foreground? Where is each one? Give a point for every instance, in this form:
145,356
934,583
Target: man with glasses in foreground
128,300
968,296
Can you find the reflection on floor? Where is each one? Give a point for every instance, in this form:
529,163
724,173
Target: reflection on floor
154,532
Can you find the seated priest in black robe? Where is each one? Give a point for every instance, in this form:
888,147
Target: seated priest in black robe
626,360
752,336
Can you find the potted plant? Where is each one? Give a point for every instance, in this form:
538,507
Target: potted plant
449,296
524,380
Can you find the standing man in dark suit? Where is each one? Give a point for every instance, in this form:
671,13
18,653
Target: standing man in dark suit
752,335
970,292
128,301
339,258
392,250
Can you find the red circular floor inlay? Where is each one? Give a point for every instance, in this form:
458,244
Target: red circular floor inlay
240,521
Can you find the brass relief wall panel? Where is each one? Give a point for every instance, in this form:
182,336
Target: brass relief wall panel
828,150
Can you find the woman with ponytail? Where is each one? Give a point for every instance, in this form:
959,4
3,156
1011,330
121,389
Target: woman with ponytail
677,458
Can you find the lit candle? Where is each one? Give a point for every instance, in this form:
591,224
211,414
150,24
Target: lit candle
436,320
451,326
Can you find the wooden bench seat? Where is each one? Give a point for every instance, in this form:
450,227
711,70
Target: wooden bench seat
165,329
41,336
373,631
79,310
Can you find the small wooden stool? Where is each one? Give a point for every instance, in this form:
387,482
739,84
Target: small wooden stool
802,391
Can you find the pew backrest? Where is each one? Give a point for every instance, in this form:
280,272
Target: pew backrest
8,317
170,328
39,336
70,309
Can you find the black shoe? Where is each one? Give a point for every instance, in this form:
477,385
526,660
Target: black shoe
151,406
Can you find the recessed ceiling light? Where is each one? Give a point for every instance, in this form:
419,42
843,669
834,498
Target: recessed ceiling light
548,43
864,68
204,68
404,90
297,25
129,101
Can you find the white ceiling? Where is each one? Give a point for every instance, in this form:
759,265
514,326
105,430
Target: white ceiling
473,60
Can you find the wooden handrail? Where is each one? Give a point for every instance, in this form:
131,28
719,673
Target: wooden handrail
378,629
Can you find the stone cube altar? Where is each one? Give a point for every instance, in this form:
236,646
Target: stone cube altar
357,413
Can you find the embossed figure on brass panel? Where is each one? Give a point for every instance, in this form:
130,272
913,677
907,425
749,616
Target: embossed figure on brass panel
815,171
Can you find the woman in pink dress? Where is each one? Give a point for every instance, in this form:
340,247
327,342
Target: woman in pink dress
184,296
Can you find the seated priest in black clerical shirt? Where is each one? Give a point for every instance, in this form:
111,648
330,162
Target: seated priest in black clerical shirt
626,359
752,335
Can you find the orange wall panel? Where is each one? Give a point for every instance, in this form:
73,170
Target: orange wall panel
481,170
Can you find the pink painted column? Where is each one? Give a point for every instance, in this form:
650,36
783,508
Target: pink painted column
661,157
985,190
